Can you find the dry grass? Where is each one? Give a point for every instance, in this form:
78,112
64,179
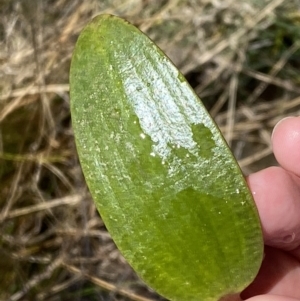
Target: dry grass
242,58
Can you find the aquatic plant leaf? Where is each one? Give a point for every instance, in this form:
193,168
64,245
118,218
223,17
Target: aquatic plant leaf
163,179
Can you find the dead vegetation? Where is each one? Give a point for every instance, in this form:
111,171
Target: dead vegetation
242,58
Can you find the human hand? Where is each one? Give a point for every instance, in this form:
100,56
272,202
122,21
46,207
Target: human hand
276,191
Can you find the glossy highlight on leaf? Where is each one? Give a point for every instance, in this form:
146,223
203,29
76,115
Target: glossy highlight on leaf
163,179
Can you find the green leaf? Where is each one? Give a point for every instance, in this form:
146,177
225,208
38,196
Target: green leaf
163,179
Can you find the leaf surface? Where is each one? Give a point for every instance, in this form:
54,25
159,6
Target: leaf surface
163,179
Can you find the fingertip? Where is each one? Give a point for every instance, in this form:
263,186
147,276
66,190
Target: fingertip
271,298
280,122
286,143
276,193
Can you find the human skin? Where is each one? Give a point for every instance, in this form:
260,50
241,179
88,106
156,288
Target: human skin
276,191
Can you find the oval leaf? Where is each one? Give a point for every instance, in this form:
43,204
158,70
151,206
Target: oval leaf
167,186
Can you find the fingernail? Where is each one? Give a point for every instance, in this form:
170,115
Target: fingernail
289,238
279,122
